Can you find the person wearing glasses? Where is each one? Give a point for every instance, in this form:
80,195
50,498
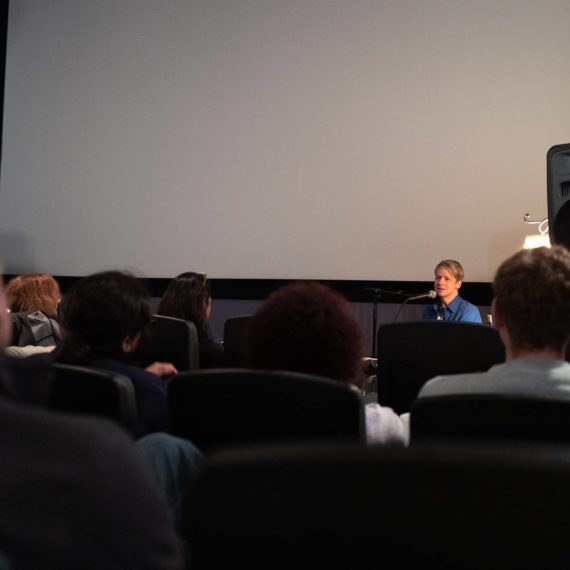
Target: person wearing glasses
450,306
188,297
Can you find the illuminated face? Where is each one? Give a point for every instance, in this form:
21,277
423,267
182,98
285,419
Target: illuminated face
446,286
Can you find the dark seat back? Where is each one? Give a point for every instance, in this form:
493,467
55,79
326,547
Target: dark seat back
219,408
411,353
235,337
491,416
84,390
448,507
172,340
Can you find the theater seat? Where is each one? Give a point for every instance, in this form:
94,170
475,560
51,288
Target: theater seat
411,353
228,407
235,334
495,416
84,390
172,340
451,507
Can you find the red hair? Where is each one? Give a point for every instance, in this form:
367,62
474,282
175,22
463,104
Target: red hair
34,292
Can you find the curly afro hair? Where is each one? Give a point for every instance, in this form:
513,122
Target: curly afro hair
306,327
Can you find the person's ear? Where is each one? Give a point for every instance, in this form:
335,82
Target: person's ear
458,284
130,343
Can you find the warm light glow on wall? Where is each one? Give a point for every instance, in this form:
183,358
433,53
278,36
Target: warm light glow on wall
536,240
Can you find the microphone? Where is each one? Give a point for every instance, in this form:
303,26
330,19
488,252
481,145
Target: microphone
429,295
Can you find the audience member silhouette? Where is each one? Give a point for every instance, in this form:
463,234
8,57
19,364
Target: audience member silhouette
75,493
104,317
188,297
33,301
307,327
174,462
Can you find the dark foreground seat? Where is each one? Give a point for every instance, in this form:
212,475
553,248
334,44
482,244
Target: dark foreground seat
492,416
84,390
447,506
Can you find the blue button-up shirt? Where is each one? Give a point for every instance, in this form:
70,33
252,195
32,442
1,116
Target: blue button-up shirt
458,310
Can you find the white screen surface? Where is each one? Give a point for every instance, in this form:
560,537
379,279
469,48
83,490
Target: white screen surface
277,138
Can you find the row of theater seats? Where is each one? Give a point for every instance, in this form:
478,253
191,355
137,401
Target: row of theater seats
222,407
452,506
474,490
483,485
411,353
217,408
176,341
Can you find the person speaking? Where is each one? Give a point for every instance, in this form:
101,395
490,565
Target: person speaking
449,305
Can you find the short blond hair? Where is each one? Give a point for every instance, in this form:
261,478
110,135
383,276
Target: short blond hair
454,267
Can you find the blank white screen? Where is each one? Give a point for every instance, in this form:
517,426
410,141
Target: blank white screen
278,138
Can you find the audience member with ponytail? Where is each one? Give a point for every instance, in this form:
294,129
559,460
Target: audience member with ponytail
188,297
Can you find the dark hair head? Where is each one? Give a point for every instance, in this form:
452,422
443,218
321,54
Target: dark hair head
306,327
99,312
532,296
188,297
34,292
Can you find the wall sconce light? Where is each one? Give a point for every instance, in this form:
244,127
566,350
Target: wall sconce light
541,239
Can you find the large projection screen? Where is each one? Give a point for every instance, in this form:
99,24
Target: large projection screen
283,139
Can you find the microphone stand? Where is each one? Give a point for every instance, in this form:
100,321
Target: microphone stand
400,309
430,295
376,296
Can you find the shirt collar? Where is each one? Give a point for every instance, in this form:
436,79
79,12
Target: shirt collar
454,305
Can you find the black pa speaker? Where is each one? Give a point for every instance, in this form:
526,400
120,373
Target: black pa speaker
558,190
